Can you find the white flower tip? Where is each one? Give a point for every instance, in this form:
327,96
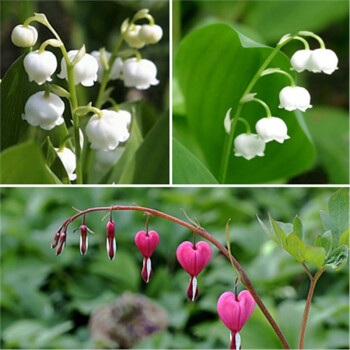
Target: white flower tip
227,121
194,288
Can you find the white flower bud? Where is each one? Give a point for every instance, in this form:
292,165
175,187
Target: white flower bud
323,60
272,128
294,97
116,71
43,111
106,159
249,146
140,74
24,36
40,66
300,60
132,37
150,34
68,160
108,131
85,71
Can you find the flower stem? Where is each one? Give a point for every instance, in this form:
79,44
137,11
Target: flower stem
313,281
206,235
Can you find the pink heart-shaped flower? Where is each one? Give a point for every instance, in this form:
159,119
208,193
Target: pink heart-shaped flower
193,258
235,313
146,242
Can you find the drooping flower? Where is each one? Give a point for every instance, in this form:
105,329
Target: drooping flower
107,131
44,111
294,97
139,73
146,242
40,66
234,313
132,37
83,237
300,60
249,146
111,246
55,239
193,259
116,68
68,159
272,128
61,242
323,60
106,159
85,71
24,36
150,34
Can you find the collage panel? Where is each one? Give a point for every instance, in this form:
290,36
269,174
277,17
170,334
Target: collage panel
86,268
260,92
84,92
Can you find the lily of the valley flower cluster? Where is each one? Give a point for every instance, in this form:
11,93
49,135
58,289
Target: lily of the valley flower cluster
270,128
106,129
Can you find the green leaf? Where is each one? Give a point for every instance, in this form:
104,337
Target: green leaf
327,222
25,164
325,241
338,257
15,91
279,233
315,256
295,247
213,66
298,227
187,168
339,212
344,238
269,232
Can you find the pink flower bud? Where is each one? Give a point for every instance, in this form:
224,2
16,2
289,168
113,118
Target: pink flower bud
61,243
83,239
147,242
55,239
110,243
193,258
235,312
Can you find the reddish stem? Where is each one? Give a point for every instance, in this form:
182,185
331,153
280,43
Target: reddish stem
203,233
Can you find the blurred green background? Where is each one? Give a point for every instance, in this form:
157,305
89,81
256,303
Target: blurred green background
266,22
46,300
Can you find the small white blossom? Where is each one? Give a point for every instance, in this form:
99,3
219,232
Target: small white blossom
323,60
272,128
150,34
300,60
43,111
85,71
24,36
116,71
249,146
106,159
294,97
68,160
106,132
227,121
40,66
132,37
139,73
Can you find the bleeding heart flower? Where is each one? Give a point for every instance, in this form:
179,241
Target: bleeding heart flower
234,313
110,242
61,243
146,243
55,239
193,258
83,237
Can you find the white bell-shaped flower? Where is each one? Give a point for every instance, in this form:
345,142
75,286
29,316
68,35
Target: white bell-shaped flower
272,128
68,160
139,73
106,159
300,60
107,131
294,97
40,66
323,60
44,111
24,36
132,37
150,34
85,71
249,146
116,71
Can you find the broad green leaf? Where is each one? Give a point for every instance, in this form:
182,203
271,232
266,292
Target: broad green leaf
213,66
25,164
15,91
329,129
325,241
268,231
339,212
295,247
280,234
327,222
338,257
298,227
187,168
315,256
344,238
